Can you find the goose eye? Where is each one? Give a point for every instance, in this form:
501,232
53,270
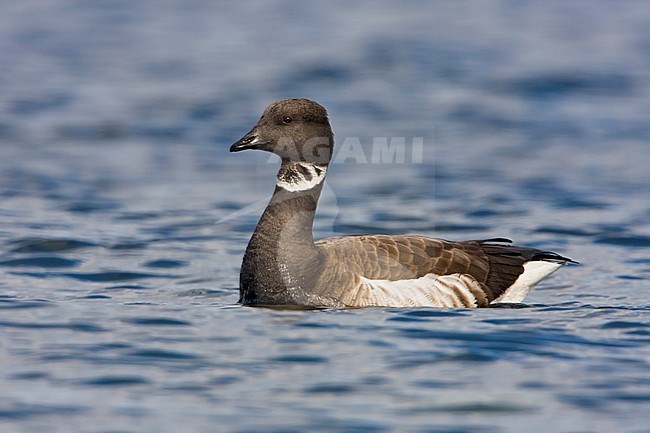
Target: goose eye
286,120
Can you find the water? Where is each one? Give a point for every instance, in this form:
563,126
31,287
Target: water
123,218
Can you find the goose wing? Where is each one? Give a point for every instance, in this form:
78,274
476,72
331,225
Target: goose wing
479,271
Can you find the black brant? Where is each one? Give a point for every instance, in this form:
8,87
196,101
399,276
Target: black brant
283,266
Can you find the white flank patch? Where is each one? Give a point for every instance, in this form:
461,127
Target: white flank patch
298,181
430,290
534,272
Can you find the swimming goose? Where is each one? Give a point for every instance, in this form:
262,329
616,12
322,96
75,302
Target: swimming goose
283,266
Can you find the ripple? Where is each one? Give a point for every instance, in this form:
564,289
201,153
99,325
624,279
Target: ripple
127,287
625,241
84,207
424,315
635,397
629,277
171,230
138,216
490,213
643,261
207,293
166,264
96,277
450,227
18,411
30,375
476,407
17,304
130,245
225,380
582,400
511,305
71,326
115,381
162,354
429,358
43,245
565,231
433,313
512,340
579,203
300,359
439,384
157,321
457,428
96,296
41,262
509,321
620,324
323,325
551,84
330,388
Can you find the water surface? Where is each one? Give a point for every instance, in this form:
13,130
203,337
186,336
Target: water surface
123,218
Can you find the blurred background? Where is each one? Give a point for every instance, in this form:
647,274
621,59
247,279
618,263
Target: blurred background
117,190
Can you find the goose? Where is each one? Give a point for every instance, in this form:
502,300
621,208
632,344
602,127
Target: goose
284,267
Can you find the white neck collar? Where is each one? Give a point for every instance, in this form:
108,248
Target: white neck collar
300,176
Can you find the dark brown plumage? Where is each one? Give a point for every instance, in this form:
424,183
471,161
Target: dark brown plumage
284,266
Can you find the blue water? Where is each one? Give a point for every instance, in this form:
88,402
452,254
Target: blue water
123,218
